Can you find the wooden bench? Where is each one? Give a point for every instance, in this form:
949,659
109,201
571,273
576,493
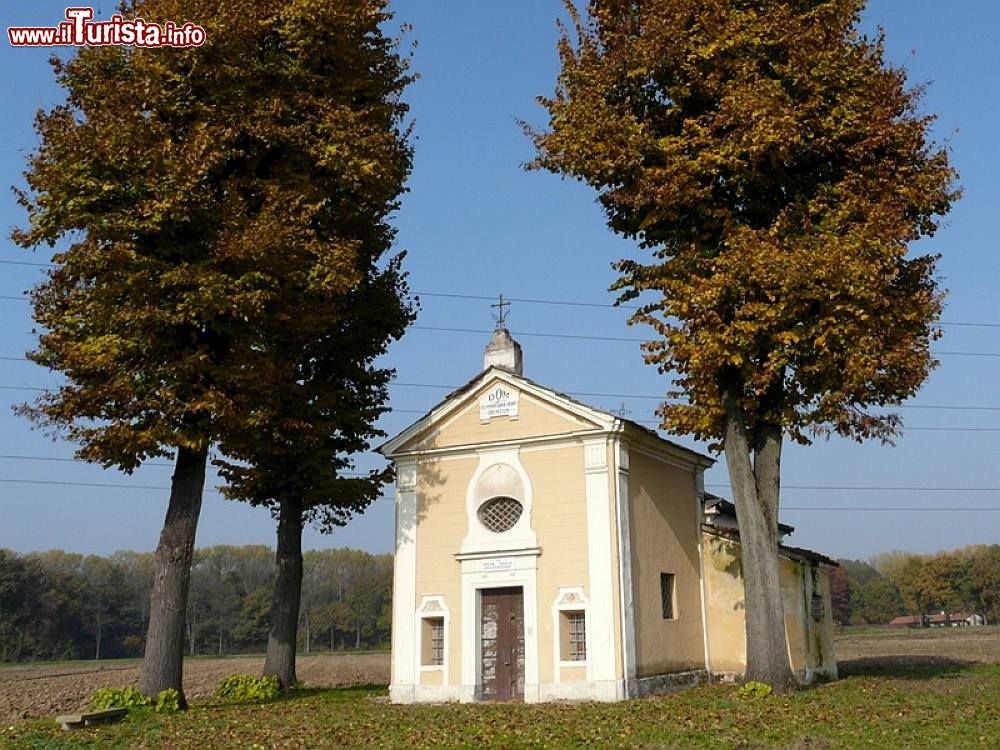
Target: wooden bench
78,721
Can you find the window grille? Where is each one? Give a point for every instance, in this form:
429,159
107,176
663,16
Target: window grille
817,608
577,624
667,595
499,514
437,641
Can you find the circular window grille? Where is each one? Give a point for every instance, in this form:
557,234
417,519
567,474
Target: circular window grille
499,514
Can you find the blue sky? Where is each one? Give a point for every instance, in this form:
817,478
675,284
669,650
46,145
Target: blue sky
475,223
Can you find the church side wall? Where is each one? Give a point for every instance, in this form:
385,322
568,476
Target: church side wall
664,536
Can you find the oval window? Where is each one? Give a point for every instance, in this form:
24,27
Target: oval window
499,514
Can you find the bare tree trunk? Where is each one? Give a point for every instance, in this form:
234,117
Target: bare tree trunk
308,633
163,664
755,492
97,647
357,632
280,659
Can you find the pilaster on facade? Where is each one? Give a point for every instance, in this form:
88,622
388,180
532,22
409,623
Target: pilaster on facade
625,588
404,655
601,562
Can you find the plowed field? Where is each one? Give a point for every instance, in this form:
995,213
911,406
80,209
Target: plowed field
28,691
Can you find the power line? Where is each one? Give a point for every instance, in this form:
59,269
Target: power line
12,457
652,422
622,339
527,334
61,483
27,263
570,303
519,300
644,396
118,485
872,488
892,510
606,305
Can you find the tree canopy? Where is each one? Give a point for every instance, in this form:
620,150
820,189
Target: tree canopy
776,168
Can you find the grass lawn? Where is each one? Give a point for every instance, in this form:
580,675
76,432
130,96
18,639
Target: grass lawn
942,706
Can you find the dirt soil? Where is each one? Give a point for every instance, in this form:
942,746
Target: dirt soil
859,646
29,691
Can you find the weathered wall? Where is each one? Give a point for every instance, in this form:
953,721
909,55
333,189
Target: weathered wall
724,604
810,641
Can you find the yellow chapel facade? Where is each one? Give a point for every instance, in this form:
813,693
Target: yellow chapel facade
546,550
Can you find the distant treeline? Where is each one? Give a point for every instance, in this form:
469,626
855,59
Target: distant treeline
61,605
965,581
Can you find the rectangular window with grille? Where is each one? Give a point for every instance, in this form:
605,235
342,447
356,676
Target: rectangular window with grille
433,641
667,595
574,636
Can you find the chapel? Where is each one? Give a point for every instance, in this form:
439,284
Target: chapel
547,550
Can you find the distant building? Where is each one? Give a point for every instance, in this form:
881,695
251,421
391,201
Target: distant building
548,550
940,620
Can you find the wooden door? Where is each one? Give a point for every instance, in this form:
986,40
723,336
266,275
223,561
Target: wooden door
501,636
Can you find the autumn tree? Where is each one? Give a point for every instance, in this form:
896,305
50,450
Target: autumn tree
317,390
840,595
193,191
776,169
316,410
983,585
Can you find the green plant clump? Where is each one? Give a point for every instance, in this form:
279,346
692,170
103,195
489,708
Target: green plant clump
167,701
754,689
127,697
244,688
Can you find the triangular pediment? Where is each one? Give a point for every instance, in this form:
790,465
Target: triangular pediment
497,406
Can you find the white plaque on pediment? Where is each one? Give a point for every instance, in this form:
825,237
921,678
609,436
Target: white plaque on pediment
499,401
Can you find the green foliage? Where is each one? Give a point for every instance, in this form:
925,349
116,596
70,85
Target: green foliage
45,598
754,689
167,701
127,697
244,688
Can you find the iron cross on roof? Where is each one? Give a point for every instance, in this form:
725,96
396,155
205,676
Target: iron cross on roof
501,316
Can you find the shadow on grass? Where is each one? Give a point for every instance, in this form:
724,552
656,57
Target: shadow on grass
911,667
